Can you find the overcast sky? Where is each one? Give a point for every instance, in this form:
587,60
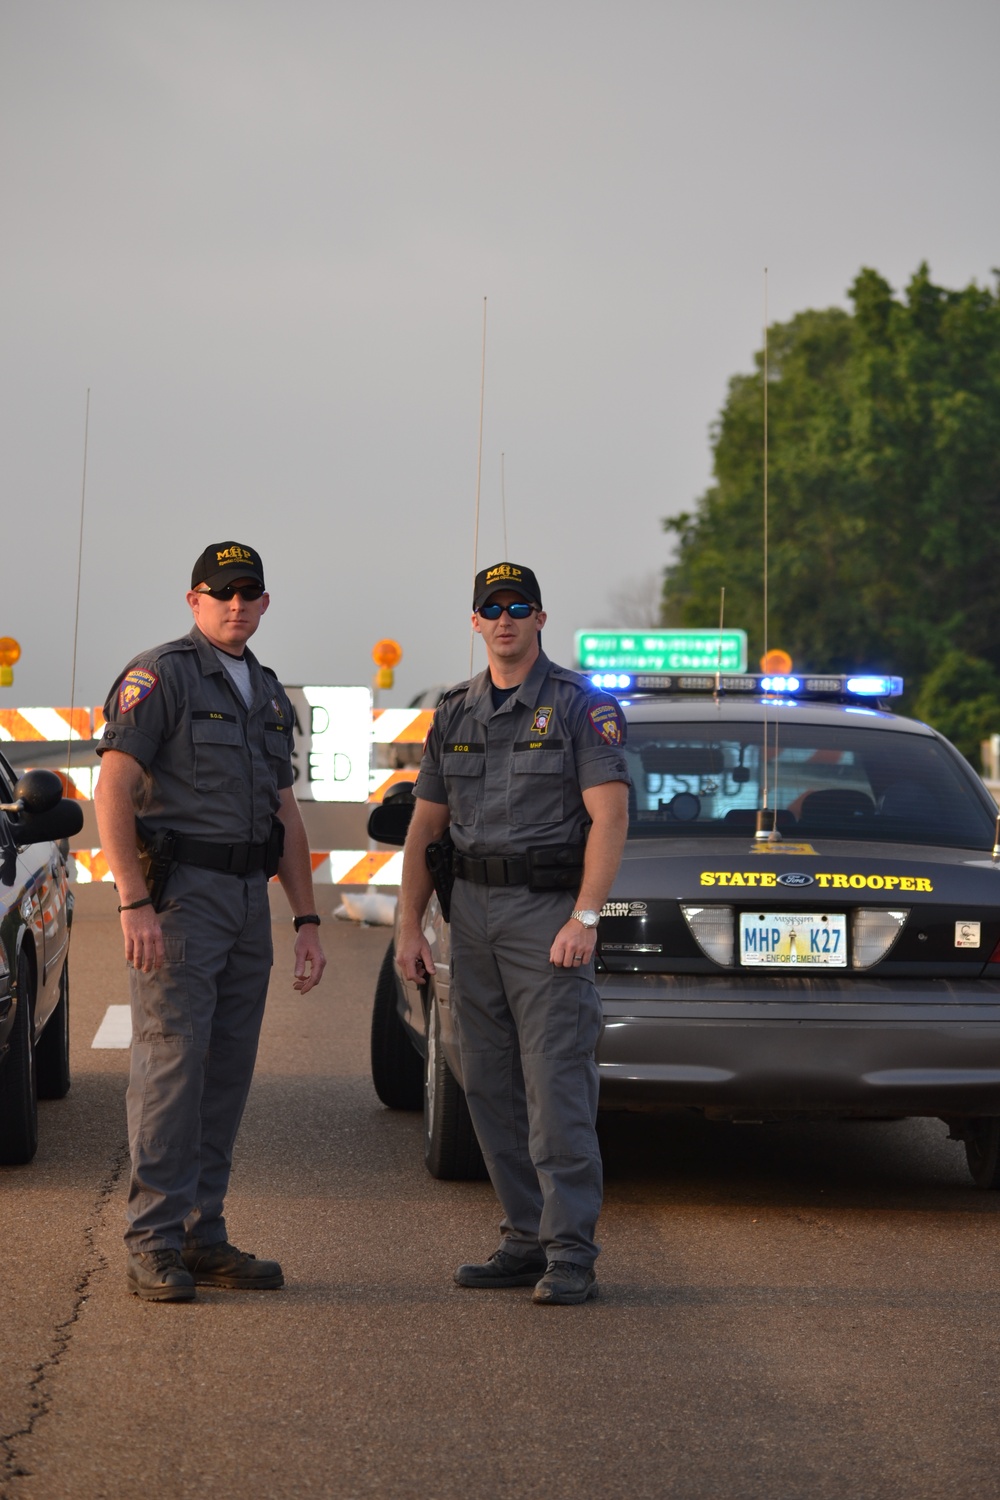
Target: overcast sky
261,235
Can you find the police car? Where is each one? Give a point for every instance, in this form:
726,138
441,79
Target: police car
36,908
806,923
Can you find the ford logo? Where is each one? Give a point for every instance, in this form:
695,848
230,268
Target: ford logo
794,878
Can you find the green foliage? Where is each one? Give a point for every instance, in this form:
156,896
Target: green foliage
884,487
961,699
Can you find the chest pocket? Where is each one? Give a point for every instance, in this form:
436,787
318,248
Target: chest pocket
278,742
536,790
218,763
463,772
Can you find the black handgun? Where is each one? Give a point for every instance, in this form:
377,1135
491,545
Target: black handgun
440,858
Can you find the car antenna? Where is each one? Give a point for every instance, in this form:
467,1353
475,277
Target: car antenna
503,508
763,832
718,666
479,481
79,573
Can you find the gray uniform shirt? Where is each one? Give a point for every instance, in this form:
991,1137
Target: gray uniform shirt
513,777
215,767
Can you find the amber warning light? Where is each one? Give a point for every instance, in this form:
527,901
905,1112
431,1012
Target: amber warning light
10,652
386,655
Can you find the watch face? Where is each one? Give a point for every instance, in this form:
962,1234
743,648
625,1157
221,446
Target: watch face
588,918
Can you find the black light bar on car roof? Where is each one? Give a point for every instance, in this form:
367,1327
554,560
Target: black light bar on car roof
791,685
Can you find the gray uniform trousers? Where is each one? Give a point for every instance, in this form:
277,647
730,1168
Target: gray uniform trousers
195,1026
528,1032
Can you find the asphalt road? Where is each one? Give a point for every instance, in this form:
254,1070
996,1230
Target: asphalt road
783,1312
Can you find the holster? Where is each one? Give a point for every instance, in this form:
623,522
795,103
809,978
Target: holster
275,847
440,858
156,855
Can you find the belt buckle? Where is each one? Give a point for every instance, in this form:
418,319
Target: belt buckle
238,856
496,869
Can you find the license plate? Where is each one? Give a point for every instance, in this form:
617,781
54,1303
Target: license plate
801,939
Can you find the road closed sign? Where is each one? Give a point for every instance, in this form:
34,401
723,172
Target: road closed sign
333,743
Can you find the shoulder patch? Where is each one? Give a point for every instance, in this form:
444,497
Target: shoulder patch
607,720
134,686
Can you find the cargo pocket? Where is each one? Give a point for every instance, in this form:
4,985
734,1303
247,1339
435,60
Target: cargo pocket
161,1004
218,762
535,792
463,773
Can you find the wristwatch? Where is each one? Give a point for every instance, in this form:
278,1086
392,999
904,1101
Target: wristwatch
586,918
310,919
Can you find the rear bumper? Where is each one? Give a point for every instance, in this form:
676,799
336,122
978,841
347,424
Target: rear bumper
928,1047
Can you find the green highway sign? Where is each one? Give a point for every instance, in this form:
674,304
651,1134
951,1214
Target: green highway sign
661,650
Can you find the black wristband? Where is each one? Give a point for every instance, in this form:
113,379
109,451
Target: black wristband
134,905
311,919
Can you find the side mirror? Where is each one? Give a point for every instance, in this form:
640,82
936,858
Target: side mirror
38,792
389,820
59,822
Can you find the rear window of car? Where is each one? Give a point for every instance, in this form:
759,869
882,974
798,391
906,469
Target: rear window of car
826,781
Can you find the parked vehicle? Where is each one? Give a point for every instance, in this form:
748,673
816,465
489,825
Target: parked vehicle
36,910
806,923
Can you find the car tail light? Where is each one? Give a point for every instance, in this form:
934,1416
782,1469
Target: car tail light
995,955
712,928
875,931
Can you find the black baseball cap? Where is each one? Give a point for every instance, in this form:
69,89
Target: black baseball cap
224,563
506,575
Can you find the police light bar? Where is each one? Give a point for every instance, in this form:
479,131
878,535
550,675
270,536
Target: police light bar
611,679
794,685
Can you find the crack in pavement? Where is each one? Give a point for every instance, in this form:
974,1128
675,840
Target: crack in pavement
39,1401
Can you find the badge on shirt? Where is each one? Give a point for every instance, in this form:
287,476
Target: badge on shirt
277,708
540,723
135,686
606,721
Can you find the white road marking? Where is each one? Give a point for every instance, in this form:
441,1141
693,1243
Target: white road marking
116,1028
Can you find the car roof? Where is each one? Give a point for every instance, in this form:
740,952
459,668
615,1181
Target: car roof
690,709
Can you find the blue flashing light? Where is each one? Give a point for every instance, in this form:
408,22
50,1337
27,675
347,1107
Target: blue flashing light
780,684
611,679
875,687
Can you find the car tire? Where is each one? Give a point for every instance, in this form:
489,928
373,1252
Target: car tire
451,1151
18,1099
982,1150
397,1067
52,1051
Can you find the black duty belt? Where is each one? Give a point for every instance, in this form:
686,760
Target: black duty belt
492,869
232,859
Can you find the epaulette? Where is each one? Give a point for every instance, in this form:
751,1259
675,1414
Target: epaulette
578,679
183,643
459,687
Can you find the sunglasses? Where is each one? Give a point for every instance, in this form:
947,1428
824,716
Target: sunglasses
516,611
248,591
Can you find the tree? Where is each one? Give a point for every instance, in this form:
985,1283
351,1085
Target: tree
884,486
961,699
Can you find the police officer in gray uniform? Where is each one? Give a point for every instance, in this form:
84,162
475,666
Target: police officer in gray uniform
525,766
196,810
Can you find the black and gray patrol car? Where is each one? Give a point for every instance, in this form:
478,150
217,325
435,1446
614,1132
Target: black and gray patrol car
806,923
36,909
